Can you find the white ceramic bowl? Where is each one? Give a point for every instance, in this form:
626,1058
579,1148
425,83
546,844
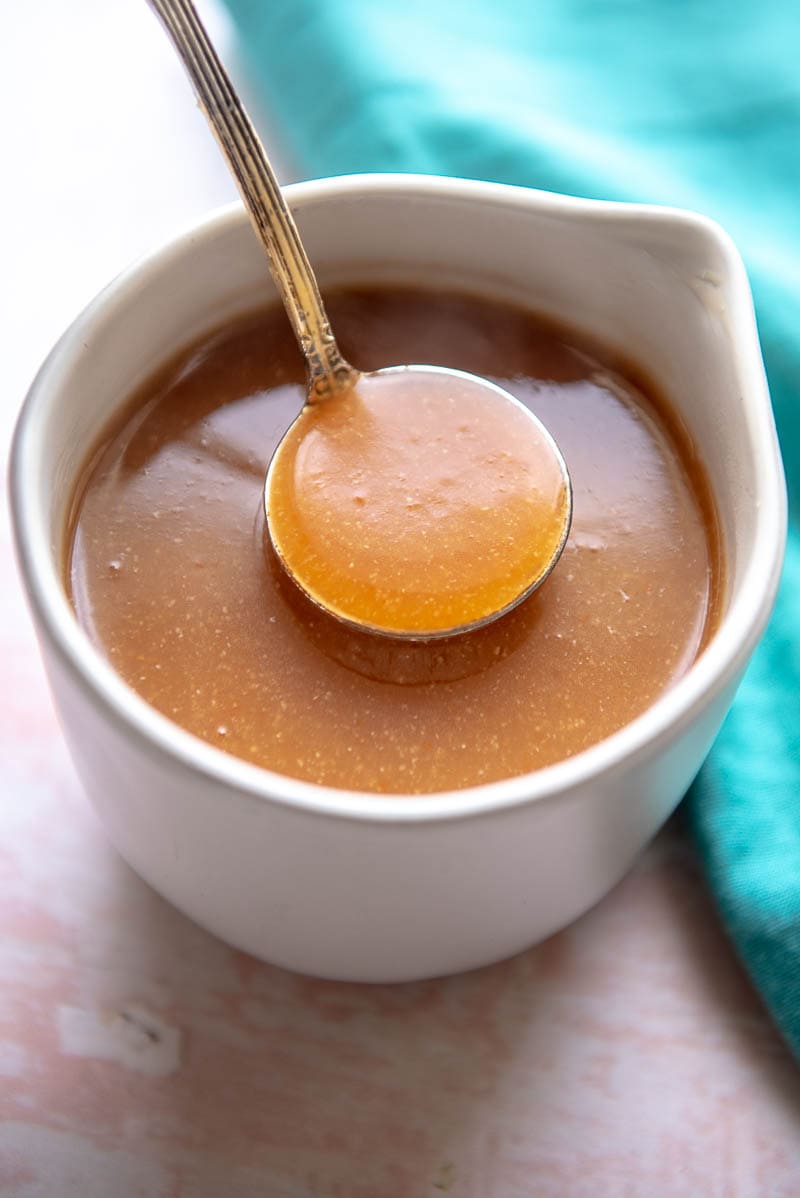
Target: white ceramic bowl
353,886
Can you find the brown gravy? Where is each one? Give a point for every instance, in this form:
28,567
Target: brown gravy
168,572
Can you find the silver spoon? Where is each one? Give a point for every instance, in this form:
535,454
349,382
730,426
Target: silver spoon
362,507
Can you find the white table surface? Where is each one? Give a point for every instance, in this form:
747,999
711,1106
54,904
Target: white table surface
139,1056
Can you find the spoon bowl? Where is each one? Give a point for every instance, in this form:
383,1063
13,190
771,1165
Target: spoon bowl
422,503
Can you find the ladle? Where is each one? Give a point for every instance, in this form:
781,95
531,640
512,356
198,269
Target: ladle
411,501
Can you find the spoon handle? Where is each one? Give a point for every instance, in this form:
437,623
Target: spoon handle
329,373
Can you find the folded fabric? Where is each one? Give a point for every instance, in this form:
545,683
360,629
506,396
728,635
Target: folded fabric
692,105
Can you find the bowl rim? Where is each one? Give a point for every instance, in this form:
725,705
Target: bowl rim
717,667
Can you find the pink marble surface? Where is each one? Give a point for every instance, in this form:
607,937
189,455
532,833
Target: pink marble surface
139,1056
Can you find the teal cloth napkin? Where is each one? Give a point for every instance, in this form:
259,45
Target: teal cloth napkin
691,104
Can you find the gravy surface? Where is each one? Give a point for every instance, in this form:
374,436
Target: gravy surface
170,576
